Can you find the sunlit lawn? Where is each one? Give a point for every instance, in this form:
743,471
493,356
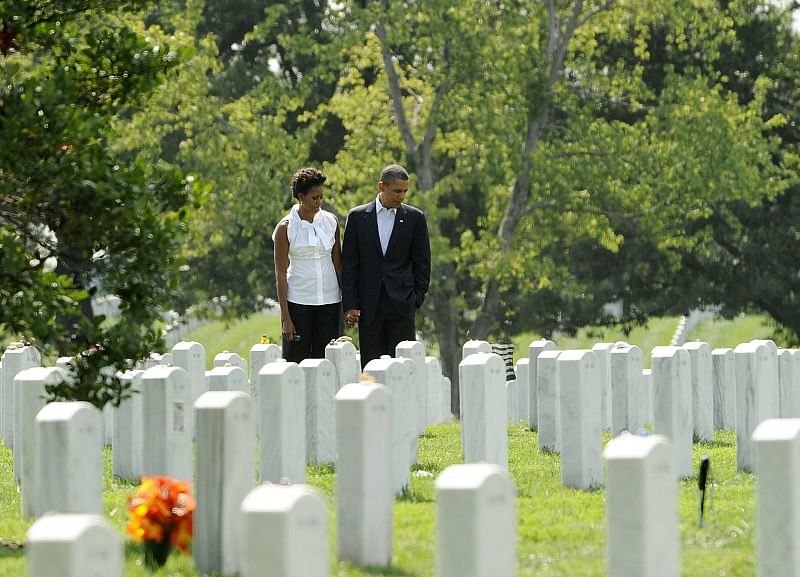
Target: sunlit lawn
236,336
724,333
561,531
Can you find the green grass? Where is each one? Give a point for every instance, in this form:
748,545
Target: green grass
237,336
561,532
722,333
658,331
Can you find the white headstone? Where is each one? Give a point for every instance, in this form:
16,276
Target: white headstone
625,366
549,417
229,358
74,545
434,412
702,390
512,411
476,525
411,371
724,378
68,469
107,412
126,456
581,434
108,424
160,359
603,350
672,403
393,374
772,359
285,532
647,384
226,471
789,383
364,495
484,427
33,379
447,395
534,349
282,423
16,358
777,447
320,378
30,396
229,378
642,507
756,396
473,347
523,390
260,355
166,442
342,353
415,351
64,362
191,357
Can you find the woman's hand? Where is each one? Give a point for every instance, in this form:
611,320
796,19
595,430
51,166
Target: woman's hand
287,329
352,316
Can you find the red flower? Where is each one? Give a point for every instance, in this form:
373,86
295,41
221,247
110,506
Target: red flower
162,507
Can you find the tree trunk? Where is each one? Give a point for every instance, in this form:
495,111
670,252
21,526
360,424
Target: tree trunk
445,322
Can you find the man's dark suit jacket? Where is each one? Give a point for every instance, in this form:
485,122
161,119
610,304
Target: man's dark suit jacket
405,270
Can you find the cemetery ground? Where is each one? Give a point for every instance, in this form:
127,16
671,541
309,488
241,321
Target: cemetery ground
561,532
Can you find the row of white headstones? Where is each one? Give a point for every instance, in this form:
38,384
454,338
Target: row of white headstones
226,442
689,392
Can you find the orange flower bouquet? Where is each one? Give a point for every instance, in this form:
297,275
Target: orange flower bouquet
161,514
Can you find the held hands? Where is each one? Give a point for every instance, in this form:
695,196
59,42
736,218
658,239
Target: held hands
352,316
287,329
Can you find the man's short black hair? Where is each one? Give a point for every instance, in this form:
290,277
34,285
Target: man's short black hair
305,179
393,172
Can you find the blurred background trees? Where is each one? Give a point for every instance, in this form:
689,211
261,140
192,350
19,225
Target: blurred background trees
569,154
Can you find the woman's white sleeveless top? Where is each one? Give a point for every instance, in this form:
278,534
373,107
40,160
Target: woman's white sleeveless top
311,276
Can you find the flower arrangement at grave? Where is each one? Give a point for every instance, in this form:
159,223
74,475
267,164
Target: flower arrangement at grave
161,515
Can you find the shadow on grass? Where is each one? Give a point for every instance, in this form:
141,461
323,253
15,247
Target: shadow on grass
133,549
409,495
716,444
131,483
11,549
379,570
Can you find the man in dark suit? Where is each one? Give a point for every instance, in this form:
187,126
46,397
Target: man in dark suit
386,267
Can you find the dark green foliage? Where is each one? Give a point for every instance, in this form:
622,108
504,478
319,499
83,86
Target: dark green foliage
110,224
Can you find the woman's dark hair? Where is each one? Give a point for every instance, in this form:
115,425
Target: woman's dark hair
304,179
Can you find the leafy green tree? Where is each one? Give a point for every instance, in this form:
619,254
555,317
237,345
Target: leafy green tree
509,109
741,258
242,116
76,218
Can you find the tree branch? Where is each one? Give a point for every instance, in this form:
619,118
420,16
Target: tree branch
430,131
394,88
596,10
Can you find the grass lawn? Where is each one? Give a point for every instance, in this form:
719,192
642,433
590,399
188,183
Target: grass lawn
236,336
724,333
561,531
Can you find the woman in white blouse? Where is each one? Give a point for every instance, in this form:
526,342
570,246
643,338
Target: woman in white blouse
308,270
